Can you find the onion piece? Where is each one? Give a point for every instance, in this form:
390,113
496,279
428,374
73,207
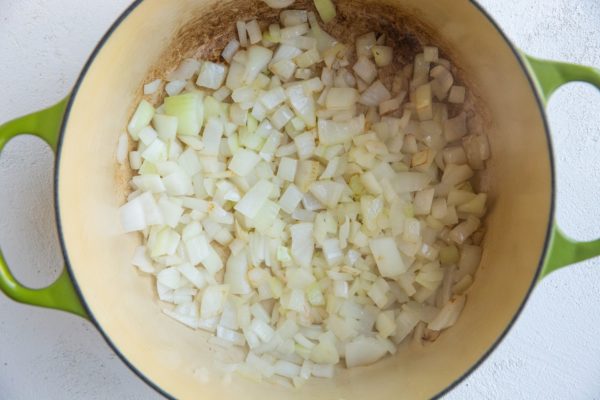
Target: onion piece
324,40
448,314
375,94
430,54
184,71
383,55
279,3
243,162
293,17
423,102
122,146
305,144
152,87
365,69
230,49
242,33
302,243
166,126
327,192
253,30
332,132
442,83
287,169
213,301
465,229
341,98
290,199
326,10
364,43
211,75
363,351
186,107
140,119
235,274
457,94
404,182
302,104
254,199
387,257
455,128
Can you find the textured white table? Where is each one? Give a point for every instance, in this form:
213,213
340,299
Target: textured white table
552,351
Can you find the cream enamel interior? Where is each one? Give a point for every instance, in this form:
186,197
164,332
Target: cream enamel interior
92,187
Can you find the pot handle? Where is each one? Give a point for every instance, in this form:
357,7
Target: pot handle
61,294
549,76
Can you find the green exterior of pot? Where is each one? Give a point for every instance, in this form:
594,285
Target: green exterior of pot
61,295
549,76
46,124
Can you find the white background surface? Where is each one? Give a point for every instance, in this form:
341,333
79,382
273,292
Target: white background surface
553,351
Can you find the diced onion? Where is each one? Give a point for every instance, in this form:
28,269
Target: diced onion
364,43
326,10
302,210
253,200
341,98
383,55
375,94
152,87
253,30
122,146
387,257
211,75
230,49
184,71
365,69
140,119
363,351
186,108
457,94
279,3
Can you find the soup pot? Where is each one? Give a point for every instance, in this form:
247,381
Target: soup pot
522,243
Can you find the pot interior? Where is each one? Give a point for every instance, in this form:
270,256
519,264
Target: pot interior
153,38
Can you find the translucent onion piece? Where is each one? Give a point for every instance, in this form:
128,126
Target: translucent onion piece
279,3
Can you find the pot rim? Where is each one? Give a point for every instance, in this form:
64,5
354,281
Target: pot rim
466,373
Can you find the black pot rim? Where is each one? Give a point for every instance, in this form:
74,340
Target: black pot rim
151,383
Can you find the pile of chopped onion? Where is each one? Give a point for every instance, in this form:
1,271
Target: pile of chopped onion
301,209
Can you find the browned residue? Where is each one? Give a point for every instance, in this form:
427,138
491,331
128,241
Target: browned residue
209,29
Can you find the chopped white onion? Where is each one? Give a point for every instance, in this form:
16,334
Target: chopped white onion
375,94
387,257
230,49
383,55
140,119
122,147
211,75
253,30
184,71
302,243
457,94
365,69
290,199
254,199
242,34
301,210
243,162
363,351
152,87
279,3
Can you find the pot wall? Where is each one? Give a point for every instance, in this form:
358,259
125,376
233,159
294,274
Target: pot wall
92,187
